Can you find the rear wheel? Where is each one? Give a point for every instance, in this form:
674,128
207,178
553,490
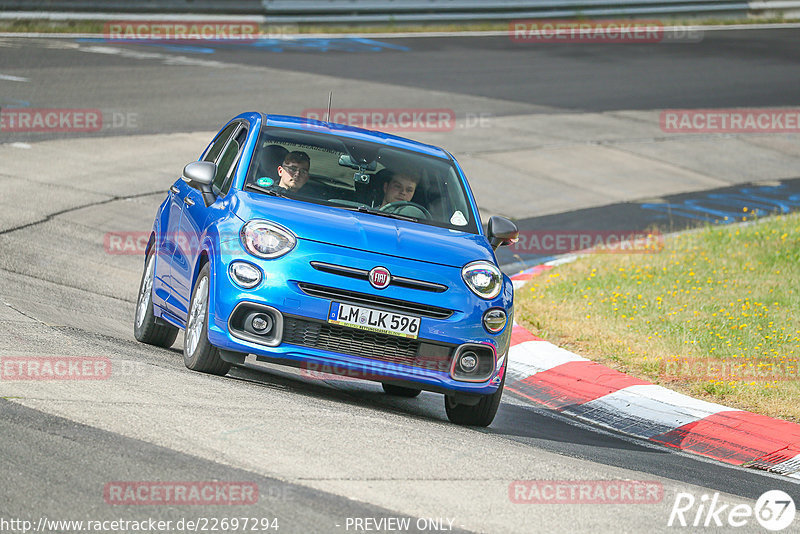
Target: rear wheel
481,414
400,391
146,328
198,353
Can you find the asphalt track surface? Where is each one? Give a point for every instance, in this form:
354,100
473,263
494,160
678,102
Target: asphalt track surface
319,451
726,69
746,68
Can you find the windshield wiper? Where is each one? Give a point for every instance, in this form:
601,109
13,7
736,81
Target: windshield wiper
365,209
267,190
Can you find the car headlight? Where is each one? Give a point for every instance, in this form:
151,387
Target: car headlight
266,239
483,278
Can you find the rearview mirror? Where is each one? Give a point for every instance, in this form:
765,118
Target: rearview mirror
501,231
200,175
346,160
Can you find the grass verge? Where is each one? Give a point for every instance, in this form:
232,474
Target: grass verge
715,314
98,27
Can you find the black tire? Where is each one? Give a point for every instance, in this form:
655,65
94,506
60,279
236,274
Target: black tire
481,414
400,391
203,356
146,328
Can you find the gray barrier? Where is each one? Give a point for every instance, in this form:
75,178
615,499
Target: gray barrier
354,11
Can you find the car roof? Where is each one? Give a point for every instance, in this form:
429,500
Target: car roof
302,123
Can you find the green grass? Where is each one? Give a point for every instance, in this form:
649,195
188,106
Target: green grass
724,296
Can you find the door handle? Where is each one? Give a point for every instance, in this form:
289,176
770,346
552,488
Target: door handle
175,189
188,201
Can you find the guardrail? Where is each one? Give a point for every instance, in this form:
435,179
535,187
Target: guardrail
370,11
250,7
468,10
788,7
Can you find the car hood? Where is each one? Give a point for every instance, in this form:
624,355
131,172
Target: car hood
364,231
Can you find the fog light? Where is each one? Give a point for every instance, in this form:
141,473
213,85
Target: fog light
261,323
468,361
494,320
245,274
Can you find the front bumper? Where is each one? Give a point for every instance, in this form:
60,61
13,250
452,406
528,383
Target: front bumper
306,340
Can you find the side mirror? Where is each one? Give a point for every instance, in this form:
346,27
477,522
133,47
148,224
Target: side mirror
501,231
200,175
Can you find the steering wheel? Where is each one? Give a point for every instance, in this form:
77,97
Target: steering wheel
396,207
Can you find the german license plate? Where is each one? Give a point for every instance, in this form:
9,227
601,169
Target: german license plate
383,322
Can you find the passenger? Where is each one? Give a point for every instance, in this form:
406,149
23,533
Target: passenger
293,172
400,187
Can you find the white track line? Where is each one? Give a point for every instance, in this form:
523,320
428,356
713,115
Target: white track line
10,78
531,357
654,403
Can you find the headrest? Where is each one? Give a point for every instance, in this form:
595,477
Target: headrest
271,156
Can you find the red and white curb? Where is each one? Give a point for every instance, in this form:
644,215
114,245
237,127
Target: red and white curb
565,382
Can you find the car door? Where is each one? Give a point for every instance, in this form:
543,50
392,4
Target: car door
170,217
196,217
175,242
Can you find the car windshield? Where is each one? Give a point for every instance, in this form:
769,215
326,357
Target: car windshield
361,176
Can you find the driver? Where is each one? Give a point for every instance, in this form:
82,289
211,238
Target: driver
401,187
293,172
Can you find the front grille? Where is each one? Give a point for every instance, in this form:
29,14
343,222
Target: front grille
363,274
354,342
351,341
374,301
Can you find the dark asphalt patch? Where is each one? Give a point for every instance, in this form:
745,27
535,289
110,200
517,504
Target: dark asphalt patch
666,214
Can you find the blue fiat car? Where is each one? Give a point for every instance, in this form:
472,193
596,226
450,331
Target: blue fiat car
337,250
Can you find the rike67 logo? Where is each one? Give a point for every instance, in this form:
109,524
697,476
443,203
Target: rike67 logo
774,511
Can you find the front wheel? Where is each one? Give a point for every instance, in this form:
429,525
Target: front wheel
198,353
146,327
481,414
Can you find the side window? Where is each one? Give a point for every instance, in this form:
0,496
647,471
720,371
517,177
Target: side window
227,164
219,143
